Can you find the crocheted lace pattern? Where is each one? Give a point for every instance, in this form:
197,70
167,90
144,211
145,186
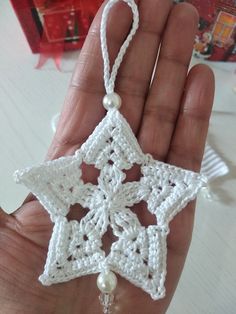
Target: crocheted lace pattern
75,248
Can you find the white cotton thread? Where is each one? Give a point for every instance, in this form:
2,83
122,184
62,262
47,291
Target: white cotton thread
110,78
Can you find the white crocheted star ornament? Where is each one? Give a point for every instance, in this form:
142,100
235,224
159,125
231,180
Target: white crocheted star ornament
75,249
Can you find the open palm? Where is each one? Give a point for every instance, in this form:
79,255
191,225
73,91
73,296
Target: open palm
168,110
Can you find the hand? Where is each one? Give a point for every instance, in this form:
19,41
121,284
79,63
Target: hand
170,119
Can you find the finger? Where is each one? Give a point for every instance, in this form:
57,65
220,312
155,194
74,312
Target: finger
162,106
6,220
188,143
186,150
3,217
83,109
195,108
34,224
136,71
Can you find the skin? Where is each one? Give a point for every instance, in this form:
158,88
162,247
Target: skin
170,118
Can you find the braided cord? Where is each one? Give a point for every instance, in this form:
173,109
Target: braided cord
110,78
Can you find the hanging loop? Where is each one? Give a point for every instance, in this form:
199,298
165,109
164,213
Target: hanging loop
110,77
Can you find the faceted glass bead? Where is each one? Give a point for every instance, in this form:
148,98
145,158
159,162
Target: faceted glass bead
106,300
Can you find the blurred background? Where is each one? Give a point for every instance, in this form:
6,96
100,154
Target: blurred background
40,41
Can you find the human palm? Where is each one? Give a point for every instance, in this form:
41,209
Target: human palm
168,110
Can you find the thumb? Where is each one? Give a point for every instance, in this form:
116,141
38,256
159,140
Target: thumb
6,220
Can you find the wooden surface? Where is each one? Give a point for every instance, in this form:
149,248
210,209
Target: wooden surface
28,100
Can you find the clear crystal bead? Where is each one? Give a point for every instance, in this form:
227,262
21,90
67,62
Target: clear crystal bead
106,300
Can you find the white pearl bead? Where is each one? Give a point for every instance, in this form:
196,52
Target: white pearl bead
112,101
107,282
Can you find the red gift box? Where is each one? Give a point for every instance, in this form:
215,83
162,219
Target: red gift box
50,25
216,39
